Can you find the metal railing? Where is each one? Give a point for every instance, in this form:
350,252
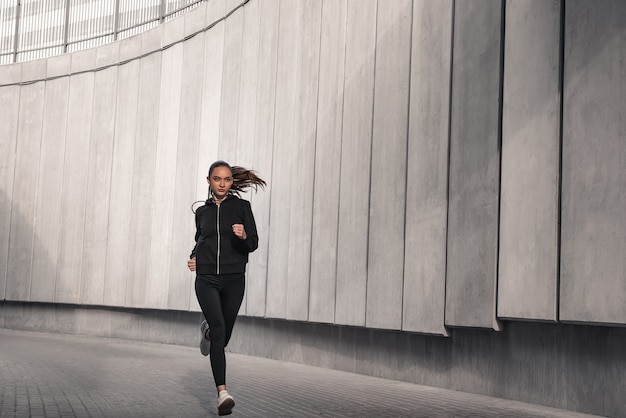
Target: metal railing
32,29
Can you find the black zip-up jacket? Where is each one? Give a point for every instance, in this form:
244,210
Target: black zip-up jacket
217,249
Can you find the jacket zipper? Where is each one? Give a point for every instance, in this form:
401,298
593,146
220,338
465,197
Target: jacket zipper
219,239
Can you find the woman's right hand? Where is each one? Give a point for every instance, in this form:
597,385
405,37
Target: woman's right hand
192,264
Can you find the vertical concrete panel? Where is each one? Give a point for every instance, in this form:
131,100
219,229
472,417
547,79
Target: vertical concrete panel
210,113
593,234
183,226
355,163
427,170
10,74
195,20
328,163
247,99
9,117
211,97
50,184
527,278
262,159
26,170
474,165
76,171
165,173
99,178
303,159
231,78
283,152
144,167
388,176
24,198
248,86
118,237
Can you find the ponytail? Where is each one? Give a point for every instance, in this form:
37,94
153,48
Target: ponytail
242,177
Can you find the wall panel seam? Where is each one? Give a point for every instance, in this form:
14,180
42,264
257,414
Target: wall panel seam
559,171
369,191
343,101
406,163
450,97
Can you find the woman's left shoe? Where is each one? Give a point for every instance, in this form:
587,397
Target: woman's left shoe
205,341
225,403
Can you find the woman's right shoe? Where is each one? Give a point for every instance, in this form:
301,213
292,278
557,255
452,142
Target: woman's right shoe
225,403
205,340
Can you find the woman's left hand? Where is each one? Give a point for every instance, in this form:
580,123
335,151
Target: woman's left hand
239,231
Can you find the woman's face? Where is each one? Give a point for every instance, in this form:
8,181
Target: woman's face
220,181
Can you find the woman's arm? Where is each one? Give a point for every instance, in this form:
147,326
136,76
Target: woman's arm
246,232
193,251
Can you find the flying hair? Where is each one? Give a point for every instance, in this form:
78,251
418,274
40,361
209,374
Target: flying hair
243,178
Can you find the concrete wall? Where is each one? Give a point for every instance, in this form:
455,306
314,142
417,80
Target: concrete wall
593,231
414,153
529,197
431,164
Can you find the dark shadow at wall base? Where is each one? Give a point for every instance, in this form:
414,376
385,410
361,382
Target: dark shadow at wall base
168,327
575,367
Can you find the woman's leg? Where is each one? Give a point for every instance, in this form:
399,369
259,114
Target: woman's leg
208,293
220,299
234,286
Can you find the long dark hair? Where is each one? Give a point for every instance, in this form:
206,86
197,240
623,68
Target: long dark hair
243,178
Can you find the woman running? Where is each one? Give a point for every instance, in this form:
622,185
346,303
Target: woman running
225,235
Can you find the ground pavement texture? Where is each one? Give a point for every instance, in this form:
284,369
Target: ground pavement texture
55,375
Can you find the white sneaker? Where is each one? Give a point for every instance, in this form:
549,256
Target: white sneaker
225,403
205,340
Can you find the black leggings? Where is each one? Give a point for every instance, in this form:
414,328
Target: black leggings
220,297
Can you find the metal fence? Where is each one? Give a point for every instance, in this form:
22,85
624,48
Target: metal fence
32,29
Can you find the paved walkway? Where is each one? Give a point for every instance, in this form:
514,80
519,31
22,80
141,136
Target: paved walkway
52,375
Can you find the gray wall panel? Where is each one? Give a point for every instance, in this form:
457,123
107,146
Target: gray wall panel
283,152
9,116
474,165
303,160
195,20
151,40
143,177
99,178
355,163
328,163
210,113
76,171
248,81
117,258
231,78
244,152
427,171
183,226
51,167
27,152
593,237
388,175
527,279
263,146
165,173
10,73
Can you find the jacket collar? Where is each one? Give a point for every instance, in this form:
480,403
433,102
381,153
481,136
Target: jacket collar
229,197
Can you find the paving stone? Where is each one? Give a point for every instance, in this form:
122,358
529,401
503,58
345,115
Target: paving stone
54,375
